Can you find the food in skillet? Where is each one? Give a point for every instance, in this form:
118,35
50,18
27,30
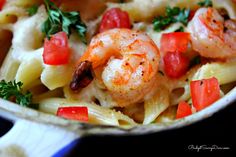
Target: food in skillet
117,63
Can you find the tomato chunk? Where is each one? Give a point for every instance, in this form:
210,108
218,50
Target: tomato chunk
175,64
174,42
173,45
204,92
183,110
2,2
191,15
74,113
56,50
114,18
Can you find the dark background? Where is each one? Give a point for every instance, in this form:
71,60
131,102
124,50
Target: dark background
218,130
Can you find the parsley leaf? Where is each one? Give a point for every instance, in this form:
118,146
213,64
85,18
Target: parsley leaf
32,10
12,91
173,15
183,16
205,3
63,21
172,11
161,22
180,29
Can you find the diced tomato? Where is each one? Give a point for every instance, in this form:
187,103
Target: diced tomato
191,15
183,110
114,18
174,42
2,2
74,113
175,64
56,50
173,45
204,92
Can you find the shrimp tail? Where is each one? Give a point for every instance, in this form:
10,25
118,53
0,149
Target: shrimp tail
82,76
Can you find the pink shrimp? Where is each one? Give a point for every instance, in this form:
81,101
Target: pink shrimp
126,61
211,35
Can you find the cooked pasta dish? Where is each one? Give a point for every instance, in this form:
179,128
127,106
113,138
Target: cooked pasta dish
113,62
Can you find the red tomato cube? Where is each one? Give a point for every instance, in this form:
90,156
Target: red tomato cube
56,50
204,92
183,110
114,18
74,113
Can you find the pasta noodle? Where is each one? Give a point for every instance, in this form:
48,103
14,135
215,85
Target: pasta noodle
156,105
224,72
140,10
22,46
98,115
28,71
145,10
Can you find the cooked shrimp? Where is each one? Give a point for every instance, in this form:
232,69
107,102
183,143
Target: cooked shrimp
211,35
126,61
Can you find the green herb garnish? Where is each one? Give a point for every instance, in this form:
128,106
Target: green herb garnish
63,21
173,15
205,3
183,16
180,29
12,91
32,10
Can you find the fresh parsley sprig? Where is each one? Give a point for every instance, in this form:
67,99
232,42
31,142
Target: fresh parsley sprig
32,10
180,29
173,15
63,21
205,3
12,91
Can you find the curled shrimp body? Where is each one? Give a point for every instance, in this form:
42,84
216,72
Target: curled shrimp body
126,62
211,35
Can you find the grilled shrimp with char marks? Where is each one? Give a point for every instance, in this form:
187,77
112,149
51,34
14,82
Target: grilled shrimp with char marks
211,35
125,61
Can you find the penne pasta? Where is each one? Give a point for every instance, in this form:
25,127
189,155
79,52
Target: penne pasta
128,63
156,105
224,72
97,114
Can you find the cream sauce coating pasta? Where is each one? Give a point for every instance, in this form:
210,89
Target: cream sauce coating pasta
21,47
